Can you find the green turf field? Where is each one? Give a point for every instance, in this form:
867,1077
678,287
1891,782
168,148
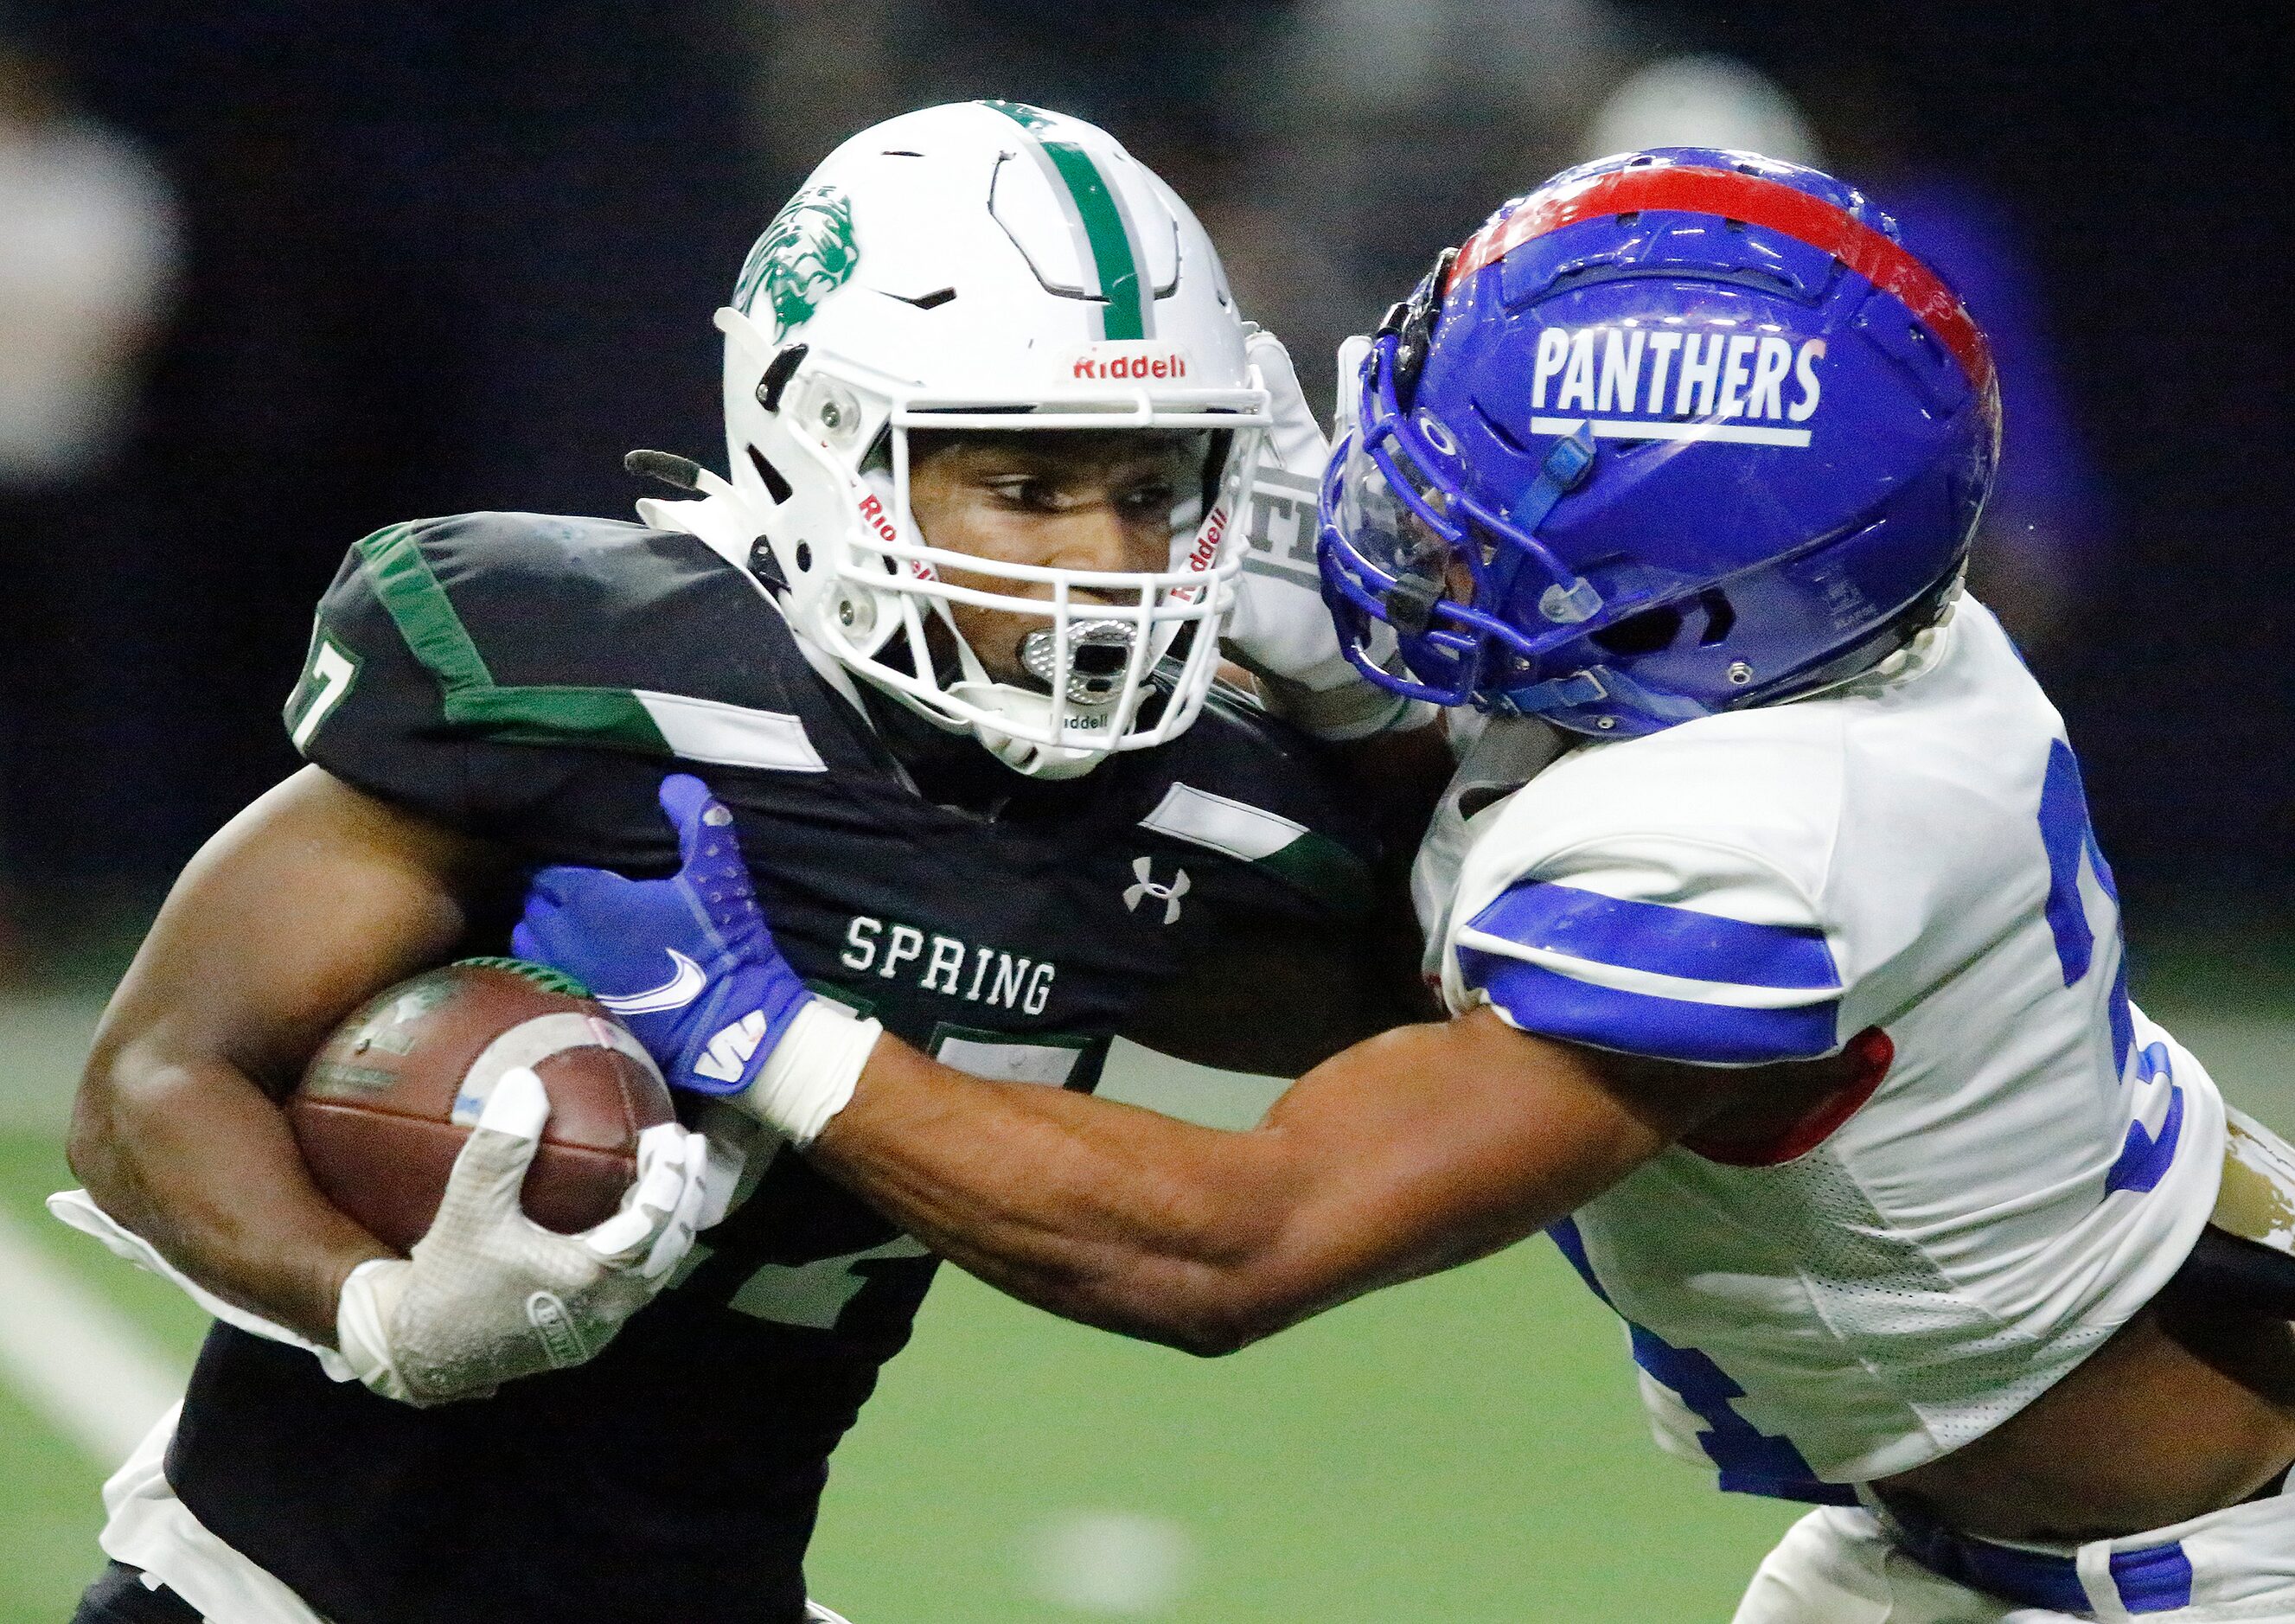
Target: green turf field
1466,1449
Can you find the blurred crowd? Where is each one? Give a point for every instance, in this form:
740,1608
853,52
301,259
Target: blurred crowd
88,258
279,272
1332,146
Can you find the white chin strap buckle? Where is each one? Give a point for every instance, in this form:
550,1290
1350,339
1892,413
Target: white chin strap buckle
1037,761
1099,654
1026,747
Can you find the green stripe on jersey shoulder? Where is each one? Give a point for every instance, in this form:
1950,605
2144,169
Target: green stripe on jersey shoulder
418,606
1326,870
1126,314
1275,844
639,720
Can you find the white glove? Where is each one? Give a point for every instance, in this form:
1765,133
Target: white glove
490,1294
1280,630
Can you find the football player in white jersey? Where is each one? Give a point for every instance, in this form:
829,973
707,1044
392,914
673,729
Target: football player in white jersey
1785,974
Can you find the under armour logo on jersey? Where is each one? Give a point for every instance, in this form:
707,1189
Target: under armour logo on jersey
729,1052
1169,895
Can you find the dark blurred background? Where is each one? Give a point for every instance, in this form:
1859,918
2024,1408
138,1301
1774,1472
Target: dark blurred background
274,273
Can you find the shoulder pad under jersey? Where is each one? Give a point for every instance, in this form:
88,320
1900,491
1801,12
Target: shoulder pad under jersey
451,656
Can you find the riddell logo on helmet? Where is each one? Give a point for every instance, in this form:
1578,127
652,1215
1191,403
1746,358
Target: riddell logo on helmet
872,510
1698,386
1127,362
872,514
1205,550
1207,545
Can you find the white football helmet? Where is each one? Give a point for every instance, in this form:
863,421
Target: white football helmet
989,266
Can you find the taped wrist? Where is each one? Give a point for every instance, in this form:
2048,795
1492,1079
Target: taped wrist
363,1311
812,1071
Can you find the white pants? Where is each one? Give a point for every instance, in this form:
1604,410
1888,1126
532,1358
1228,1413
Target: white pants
1841,1566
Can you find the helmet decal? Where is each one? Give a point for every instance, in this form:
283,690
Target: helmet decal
1109,241
806,254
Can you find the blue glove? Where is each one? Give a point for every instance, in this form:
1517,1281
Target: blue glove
687,962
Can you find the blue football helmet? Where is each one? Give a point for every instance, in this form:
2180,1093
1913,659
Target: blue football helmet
1680,431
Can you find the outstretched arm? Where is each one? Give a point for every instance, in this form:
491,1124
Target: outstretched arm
1409,1152
1413,1152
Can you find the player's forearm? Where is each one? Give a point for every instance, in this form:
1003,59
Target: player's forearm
1210,1240
198,1161
1096,1211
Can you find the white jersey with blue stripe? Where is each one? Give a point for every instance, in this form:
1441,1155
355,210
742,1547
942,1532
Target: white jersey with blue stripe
1899,870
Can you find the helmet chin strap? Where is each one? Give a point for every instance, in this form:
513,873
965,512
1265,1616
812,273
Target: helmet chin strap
1024,755
1024,706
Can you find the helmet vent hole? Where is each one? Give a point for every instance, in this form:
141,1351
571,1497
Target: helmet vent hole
1497,425
777,488
1737,226
1643,634
777,376
804,558
1721,619
929,301
899,152
1631,217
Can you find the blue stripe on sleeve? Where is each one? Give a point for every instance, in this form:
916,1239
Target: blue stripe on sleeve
1538,999
1654,937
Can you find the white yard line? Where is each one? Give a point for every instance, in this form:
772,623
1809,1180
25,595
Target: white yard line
73,1357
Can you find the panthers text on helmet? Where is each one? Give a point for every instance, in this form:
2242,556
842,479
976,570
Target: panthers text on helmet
1661,372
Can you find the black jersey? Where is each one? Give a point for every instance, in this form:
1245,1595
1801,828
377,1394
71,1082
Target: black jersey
530,679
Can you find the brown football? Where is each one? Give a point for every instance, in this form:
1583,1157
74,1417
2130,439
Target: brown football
389,1098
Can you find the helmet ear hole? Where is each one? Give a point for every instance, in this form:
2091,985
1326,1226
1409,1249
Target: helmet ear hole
1721,619
1643,634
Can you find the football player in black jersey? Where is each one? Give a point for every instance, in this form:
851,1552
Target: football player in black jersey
945,647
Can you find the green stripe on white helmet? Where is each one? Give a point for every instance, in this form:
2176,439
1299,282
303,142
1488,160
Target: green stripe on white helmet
984,266
1128,312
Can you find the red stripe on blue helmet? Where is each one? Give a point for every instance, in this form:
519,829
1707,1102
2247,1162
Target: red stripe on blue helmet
1757,201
